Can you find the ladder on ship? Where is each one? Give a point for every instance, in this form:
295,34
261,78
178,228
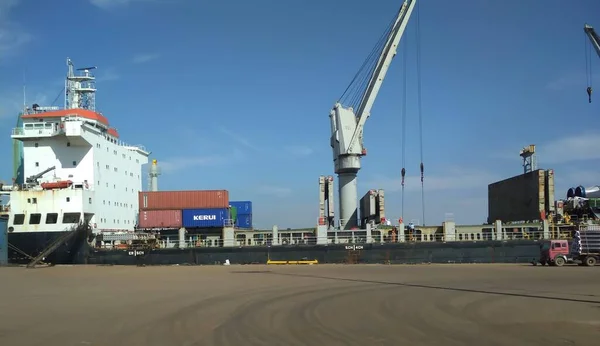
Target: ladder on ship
54,246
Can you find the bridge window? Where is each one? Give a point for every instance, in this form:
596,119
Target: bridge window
35,219
71,217
19,219
37,164
68,199
36,145
51,218
460,236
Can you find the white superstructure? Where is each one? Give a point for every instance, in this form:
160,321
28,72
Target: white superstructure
76,167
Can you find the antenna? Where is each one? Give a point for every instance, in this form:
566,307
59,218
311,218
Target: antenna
24,93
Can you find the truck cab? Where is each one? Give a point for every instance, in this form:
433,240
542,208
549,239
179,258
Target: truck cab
554,252
557,253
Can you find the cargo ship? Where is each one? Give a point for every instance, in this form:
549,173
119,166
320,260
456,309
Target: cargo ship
77,197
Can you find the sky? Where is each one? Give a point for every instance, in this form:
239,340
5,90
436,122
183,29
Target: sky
236,94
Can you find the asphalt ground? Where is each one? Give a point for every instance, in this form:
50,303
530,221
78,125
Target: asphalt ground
319,305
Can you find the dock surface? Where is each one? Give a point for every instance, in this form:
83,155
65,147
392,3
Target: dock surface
481,304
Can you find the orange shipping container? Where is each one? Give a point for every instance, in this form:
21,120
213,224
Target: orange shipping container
160,219
165,200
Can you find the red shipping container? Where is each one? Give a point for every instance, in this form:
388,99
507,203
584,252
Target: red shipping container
165,200
160,219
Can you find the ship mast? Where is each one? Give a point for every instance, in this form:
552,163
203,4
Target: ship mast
80,89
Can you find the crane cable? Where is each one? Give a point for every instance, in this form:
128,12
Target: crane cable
588,67
421,166
403,172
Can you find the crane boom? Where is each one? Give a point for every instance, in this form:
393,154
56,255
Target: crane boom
389,52
594,38
347,126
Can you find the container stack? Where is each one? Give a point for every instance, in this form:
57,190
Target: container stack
241,212
176,209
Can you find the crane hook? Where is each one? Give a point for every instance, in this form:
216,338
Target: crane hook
403,174
589,92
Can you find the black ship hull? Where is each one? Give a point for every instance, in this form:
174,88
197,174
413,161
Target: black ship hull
24,246
78,251
393,253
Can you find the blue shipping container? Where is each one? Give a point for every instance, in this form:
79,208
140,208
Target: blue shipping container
243,207
203,218
244,221
3,243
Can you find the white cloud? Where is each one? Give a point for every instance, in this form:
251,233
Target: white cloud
108,74
11,101
239,139
143,58
275,191
299,150
575,176
571,148
569,81
12,36
180,163
449,179
111,4
177,164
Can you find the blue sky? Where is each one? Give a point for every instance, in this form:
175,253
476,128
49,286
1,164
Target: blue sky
236,94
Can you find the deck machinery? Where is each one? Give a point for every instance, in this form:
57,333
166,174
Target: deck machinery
347,122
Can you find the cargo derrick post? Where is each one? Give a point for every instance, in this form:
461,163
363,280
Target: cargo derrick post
347,126
595,41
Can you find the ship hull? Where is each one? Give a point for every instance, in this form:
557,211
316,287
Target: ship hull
394,253
78,251
31,244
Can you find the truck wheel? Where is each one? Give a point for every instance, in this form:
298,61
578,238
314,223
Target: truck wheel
590,261
559,261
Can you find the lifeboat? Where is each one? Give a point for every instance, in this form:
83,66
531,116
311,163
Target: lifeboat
62,184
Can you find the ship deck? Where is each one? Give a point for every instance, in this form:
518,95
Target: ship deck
294,305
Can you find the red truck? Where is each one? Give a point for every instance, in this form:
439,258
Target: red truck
559,252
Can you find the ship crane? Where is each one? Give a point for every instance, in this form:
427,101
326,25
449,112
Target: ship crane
347,122
33,180
595,40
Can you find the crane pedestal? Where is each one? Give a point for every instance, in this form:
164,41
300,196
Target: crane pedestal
348,200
